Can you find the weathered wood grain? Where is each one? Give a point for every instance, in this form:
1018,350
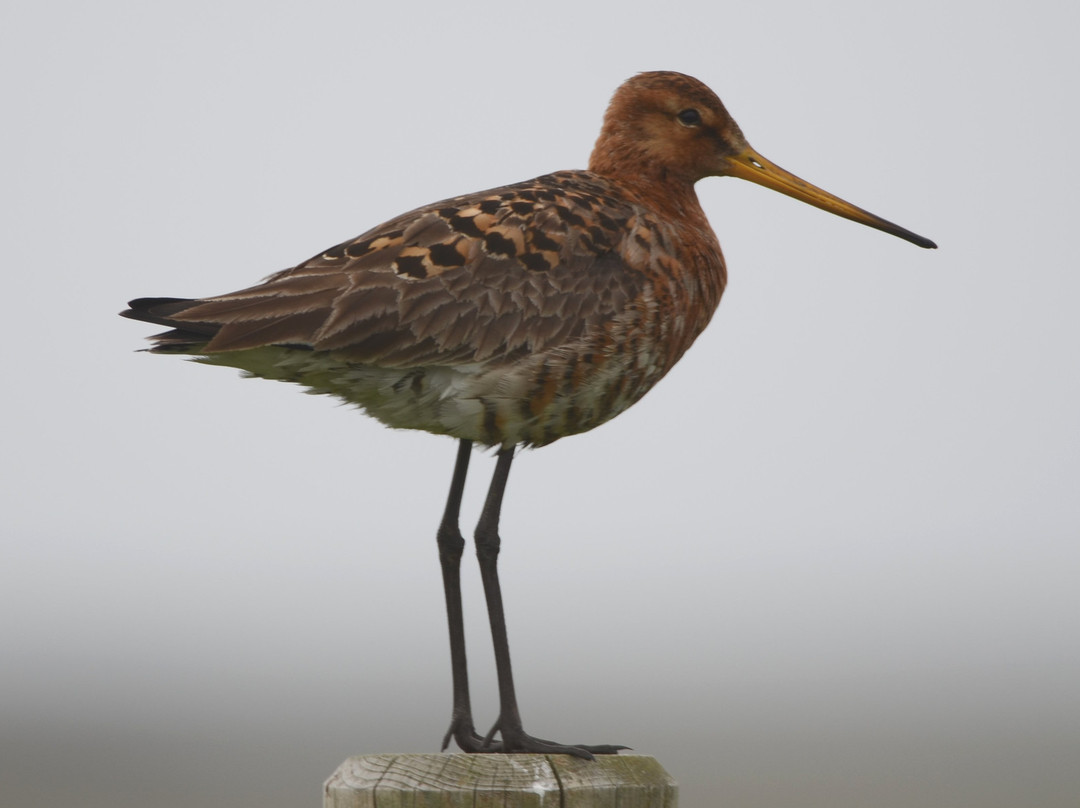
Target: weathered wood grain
499,781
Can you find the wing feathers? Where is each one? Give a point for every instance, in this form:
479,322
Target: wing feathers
526,267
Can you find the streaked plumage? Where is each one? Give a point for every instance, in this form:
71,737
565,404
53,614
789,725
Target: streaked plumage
509,317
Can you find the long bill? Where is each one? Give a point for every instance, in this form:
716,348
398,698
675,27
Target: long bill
749,165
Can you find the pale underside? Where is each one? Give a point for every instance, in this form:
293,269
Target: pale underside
485,403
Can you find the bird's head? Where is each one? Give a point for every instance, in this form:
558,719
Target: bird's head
671,128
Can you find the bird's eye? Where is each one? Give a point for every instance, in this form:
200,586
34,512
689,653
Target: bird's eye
689,117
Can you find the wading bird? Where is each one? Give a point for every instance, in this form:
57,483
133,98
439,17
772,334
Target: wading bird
510,317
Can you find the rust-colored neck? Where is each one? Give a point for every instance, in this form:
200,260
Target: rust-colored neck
623,154
645,168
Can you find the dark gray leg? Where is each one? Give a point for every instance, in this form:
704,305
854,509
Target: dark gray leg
514,738
451,545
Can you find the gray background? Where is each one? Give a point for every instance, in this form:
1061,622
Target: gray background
831,561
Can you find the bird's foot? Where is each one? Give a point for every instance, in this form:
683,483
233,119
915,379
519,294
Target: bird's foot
516,740
466,737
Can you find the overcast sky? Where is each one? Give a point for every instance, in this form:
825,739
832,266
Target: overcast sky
832,560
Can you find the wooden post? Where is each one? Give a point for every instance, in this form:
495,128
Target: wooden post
502,781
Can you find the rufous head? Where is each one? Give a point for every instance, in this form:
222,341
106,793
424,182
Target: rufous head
668,127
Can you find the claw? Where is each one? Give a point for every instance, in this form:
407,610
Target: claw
516,740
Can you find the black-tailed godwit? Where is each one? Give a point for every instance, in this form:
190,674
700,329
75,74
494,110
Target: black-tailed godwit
510,317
